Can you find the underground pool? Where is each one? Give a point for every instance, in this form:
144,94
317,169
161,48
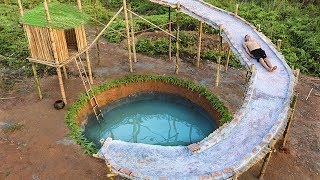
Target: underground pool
151,118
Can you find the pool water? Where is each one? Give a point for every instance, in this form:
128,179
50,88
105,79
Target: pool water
151,118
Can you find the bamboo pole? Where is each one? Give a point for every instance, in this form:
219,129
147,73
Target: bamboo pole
79,5
97,31
89,66
65,72
47,11
236,10
110,174
285,134
55,55
267,159
220,56
279,41
218,71
170,38
20,8
259,27
128,33
132,33
228,59
177,39
34,69
199,44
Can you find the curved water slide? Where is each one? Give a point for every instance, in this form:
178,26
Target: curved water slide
234,147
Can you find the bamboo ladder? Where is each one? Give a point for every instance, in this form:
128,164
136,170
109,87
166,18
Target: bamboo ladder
87,85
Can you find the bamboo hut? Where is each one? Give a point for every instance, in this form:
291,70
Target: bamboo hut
55,33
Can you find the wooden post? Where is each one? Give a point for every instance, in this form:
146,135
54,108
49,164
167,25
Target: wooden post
34,69
79,5
132,33
170,38
293,107
279,44
55,55
128,33
199,44
20,8
236,10
267,159
228,59
97,31
177,39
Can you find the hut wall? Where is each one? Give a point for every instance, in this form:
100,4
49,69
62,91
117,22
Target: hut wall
39,43
81,37
61,45
41,46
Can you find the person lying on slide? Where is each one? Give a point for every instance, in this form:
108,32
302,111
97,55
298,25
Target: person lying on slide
253,48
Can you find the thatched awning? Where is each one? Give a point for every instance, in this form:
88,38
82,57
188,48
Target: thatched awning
62,16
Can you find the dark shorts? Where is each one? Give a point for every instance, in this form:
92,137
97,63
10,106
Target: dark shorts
258,54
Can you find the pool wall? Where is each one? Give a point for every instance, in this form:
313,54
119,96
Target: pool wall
125,90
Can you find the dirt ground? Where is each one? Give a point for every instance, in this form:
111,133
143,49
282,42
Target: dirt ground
39,148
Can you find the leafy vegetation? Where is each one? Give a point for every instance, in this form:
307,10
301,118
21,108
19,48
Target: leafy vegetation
77,133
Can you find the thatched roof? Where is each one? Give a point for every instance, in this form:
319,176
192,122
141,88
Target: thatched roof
62,16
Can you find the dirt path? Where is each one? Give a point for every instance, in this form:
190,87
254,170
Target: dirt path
40,149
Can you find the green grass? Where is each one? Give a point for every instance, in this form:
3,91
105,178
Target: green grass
63,16
76,132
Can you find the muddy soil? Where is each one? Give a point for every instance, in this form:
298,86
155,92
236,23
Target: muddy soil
41,149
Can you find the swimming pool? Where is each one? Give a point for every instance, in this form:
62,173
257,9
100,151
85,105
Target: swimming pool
152,118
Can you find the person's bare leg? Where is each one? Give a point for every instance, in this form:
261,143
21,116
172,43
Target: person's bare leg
264,64
270,65
268,62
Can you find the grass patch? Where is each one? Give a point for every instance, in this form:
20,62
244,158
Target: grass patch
76,132
63,16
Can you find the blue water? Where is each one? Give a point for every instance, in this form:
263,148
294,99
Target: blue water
152,118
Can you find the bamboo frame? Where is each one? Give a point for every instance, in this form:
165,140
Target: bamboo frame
199,44
97,31
176,71
151,23
128,33
170,37
286,131
132,33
